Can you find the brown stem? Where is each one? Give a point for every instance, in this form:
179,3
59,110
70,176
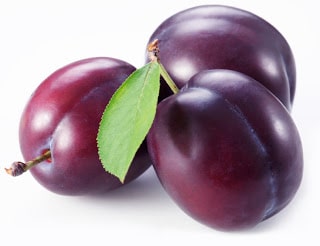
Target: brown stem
153,50
17,168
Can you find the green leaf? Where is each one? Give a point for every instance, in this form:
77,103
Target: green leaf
127,119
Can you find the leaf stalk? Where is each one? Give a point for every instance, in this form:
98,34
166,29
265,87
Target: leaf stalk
153,52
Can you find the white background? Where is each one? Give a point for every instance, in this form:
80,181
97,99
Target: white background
37,37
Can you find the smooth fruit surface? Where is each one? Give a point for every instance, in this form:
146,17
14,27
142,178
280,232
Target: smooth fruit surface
222,37
226,150
63,116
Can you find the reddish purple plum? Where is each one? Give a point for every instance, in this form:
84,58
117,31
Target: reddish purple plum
226,150
222,37
63,116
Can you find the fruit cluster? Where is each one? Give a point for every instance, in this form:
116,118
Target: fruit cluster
224,145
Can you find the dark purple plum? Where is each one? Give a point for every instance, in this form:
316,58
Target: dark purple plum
63,116
226,150
222,37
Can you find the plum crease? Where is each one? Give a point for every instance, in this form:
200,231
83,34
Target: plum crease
271,205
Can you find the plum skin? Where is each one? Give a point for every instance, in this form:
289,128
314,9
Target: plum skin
63,115
226,150
223,37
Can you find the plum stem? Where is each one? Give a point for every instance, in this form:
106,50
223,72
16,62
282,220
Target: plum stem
153,52
17,168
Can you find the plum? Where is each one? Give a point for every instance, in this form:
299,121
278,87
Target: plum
60,122
223,37
226,150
